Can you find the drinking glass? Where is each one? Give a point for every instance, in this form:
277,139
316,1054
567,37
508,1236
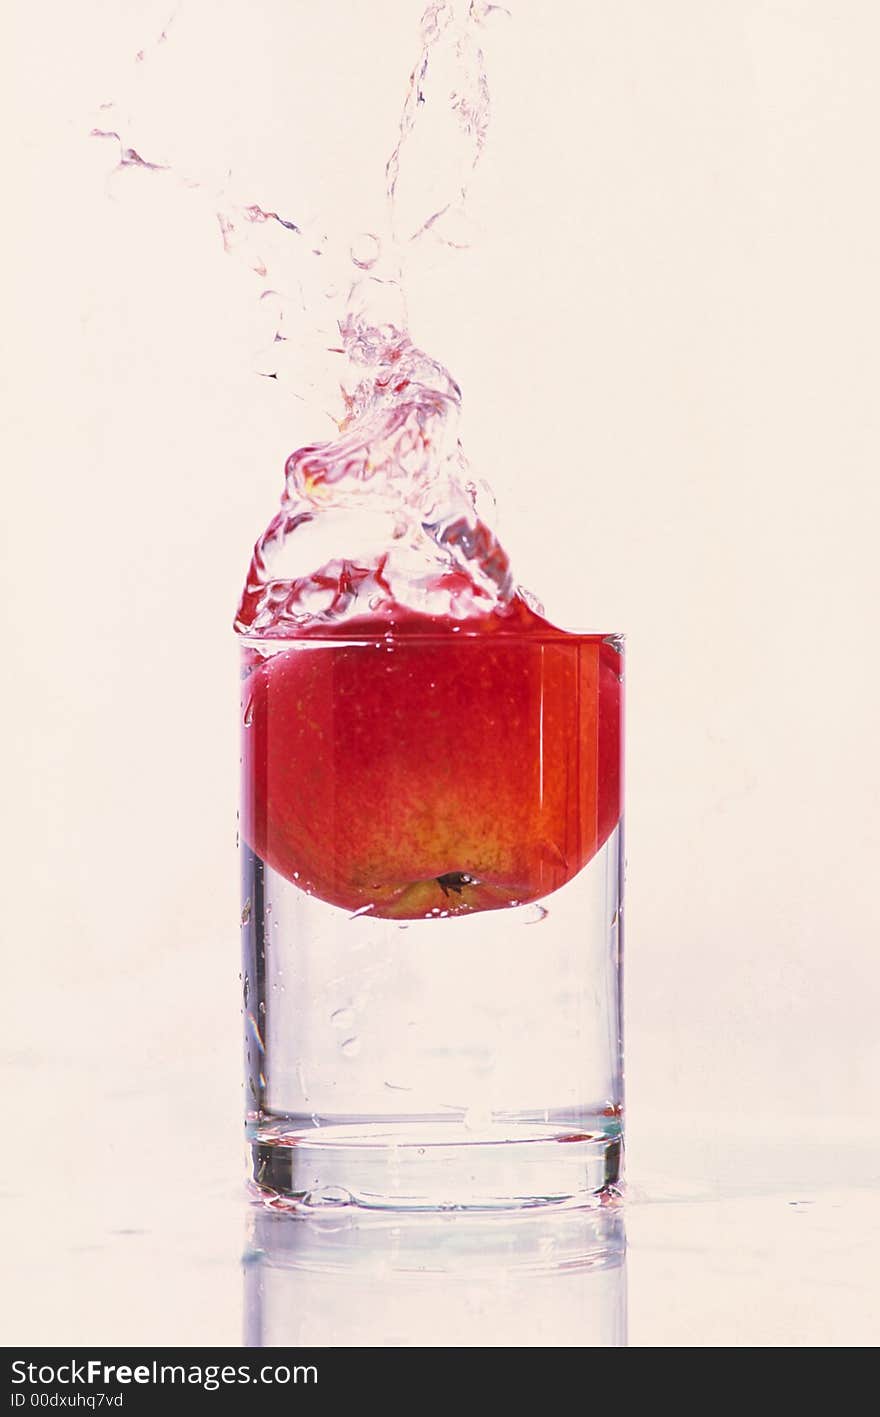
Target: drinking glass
431,841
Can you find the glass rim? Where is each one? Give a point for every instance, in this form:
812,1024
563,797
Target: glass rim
616,639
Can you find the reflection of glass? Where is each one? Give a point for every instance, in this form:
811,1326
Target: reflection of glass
431,913
356,1280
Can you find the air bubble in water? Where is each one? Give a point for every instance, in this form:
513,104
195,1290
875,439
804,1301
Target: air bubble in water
329,1195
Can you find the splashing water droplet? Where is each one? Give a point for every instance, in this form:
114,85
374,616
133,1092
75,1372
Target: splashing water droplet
350,1047
342,1018
535,914
365,251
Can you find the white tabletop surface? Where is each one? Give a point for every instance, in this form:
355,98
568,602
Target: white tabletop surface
126,1223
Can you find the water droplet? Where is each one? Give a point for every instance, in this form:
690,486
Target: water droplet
329,1195
536,914
365,250
249,713
351,1046
246,912
342,1018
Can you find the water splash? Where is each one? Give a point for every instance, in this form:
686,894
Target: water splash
391,498
393,493
451,62
385,513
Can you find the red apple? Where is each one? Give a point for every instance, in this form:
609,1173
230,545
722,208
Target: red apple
421,767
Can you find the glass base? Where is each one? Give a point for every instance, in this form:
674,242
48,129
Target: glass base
438,1164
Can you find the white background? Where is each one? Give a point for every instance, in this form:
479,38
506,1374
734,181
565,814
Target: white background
666,334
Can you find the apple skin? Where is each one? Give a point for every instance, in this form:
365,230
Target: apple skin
426,768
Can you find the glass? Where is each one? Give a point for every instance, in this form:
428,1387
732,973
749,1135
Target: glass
431,918
531,1280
